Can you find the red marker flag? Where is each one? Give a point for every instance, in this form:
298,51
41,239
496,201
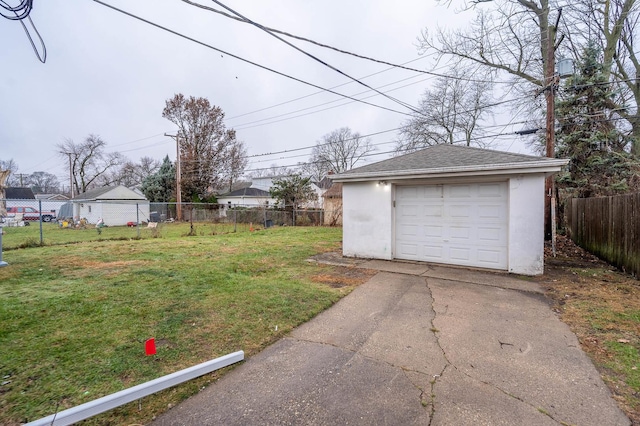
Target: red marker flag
150,347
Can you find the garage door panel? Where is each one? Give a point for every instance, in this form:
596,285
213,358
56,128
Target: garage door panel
409,210
462,224
432,211
432,191
460,253
408,251
460,233
460,211
406,192
459,191
491,234
432,252
409,232
490,257
490,190
432,231
491,211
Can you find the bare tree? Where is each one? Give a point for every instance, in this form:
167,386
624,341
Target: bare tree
340,150
317,170
451,113
514,37
272,171
12,168
88,161
43,182
207,147
237,163
129,173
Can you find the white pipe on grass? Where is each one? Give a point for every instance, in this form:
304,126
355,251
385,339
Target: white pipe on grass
100,405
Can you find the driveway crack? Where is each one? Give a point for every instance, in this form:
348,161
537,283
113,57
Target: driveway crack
450,364
434,380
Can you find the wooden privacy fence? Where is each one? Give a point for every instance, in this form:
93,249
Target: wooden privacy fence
608,227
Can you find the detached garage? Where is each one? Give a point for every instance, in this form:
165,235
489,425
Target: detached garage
449,204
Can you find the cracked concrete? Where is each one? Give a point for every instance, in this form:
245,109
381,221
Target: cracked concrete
416,344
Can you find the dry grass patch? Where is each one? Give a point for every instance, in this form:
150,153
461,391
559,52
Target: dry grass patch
343,276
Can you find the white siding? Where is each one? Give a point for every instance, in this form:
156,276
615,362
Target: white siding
526,224
369,229
367,226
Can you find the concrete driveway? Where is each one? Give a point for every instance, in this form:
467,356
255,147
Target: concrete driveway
417,344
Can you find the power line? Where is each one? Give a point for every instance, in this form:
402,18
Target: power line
243,59
16,13
19,13
381,153
308,40
336,106
243,126
315,58
318,92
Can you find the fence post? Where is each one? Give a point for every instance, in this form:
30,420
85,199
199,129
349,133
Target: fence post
138,219
40,210
2,263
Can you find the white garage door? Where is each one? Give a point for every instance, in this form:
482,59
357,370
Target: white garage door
460,224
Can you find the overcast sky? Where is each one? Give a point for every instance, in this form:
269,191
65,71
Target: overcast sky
109,74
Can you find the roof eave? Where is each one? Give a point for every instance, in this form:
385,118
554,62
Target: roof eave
546,167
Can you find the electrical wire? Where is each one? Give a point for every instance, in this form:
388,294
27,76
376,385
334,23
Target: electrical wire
308,40
239,127
249,125
20,13
242,59
379,153
315,58
16,13
304,148
316,93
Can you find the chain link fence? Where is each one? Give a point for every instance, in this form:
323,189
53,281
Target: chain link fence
38,222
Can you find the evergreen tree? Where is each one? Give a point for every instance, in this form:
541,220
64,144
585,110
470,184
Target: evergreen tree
599,163
160,187
292,191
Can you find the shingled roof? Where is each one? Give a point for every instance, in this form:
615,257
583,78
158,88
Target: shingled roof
246,192
447,158
19,193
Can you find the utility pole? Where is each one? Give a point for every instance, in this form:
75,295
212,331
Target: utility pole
178,178
70,177
550,128
550,83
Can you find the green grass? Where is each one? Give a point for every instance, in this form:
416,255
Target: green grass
29,236
626,361
74,317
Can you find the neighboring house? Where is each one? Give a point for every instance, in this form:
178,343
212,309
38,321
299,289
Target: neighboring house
19,193
333,205
116,205
247,197
20,197
52,197
449,204
264,183
24,197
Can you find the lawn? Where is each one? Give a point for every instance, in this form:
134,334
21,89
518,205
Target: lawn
74,317
52,234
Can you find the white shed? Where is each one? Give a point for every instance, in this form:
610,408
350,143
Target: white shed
449,204
116,205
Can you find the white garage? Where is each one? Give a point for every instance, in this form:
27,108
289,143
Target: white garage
461,224
449,204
